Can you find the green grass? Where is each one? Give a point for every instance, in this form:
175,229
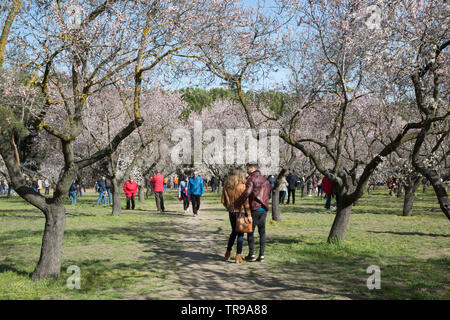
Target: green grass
138,253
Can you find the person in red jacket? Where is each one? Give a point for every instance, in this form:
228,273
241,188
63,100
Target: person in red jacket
327,188
158,186
130,189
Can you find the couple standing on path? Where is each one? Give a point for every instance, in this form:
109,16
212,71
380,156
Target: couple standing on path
250,198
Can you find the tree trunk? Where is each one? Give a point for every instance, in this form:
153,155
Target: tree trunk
303,190
276,214
339,228
441,194
438,186
117,202
49,265
141,191
431,174
410,188
399,189
408,201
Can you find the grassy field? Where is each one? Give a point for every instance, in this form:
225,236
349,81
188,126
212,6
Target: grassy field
146,255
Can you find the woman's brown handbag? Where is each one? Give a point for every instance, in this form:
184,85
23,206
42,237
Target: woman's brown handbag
243,225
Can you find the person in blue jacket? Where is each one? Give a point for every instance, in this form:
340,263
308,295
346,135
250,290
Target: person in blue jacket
196,189
73,192
101,189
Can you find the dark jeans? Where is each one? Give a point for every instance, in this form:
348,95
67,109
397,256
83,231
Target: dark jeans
337,199
291,192
282,196
328,202
195,198
259,220
133,204
159,201
109,195
185,201
240,236
47,190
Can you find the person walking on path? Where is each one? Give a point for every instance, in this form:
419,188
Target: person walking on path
213,184
175,182
79,191
234,188
272,185
327,188
108,187
292,184
257,190
39,182
158,186
319,187
35,185
73,192
196,189
101,191
183,194
47,186
165,185
283,189
130,189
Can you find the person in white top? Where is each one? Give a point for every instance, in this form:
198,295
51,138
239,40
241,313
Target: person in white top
283,189
39,185
47,186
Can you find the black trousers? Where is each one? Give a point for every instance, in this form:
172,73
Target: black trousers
133,204
259,220
291,191
185,201
282,196
195,198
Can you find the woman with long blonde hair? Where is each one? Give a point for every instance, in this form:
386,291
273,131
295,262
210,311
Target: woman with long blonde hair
233,188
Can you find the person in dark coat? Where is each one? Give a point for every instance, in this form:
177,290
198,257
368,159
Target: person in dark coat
101,189
272,185
292,184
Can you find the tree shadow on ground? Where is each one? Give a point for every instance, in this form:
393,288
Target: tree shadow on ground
412,233
5,268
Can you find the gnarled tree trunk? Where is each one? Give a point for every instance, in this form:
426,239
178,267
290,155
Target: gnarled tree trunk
431,174
117,203
411,186
340,223
276,212
49,264
141,193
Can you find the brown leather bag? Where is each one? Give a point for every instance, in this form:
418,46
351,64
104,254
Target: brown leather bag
243,225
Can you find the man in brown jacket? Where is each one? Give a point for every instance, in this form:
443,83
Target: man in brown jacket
257,190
